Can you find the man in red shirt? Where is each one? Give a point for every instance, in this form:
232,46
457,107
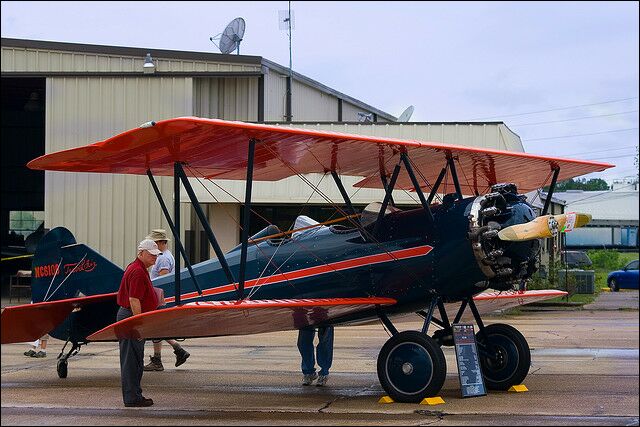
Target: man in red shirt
135,296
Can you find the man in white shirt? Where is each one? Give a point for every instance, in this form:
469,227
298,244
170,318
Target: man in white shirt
165,264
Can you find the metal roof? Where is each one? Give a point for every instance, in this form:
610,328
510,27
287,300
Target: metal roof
602,205
188,55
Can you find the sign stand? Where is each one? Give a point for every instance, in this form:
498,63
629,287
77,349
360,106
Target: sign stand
469,371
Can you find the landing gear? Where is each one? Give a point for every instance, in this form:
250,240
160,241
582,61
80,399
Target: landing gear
504,356
62,366
411,366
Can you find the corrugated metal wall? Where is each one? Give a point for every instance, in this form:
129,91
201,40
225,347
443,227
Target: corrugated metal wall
227,98
482,135
19,59
311,104
110,213
350,112
275,90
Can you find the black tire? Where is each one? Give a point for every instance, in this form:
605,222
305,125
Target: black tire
411,366
62,368
504,356
613,285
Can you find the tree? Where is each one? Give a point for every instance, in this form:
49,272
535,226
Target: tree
593,184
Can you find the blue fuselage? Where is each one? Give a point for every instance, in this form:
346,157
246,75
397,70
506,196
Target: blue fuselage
408,260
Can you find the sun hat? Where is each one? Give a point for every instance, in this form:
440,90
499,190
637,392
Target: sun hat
158,234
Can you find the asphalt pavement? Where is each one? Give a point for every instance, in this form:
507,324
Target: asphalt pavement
585,371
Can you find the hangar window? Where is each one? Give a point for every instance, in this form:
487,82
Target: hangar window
23,223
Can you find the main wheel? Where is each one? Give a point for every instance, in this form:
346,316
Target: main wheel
411,366
504,356
62,368
614,285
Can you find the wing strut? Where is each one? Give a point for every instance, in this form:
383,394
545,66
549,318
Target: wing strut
176,235
205,224
385,185
176,232
387,197
552,187
345,196
416,186
436,185
247,217
454,176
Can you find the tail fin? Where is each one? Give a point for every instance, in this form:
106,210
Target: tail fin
64,269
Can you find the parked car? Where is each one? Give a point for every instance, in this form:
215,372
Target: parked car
627,278
576,259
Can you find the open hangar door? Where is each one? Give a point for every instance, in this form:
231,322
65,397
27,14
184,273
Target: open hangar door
23,139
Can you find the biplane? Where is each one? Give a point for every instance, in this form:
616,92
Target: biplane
447,258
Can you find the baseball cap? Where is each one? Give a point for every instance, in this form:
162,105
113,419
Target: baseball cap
150,246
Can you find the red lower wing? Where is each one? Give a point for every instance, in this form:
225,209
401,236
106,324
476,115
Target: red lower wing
218,318
492,301
29,322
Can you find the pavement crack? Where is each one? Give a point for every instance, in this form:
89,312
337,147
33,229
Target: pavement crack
438,415
321,410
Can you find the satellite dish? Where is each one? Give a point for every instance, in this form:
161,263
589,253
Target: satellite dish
231,37
365,117
406,114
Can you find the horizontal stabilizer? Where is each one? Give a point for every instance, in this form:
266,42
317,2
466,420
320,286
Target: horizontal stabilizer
22,323
218,318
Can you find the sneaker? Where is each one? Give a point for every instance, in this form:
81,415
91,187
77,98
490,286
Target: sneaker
142,403
181,356
40,354
29,353
309,378
154,365
322,380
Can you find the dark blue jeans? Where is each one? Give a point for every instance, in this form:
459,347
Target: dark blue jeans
324,350
131,364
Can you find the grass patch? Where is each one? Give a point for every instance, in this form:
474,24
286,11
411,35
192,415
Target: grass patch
627,257
577,298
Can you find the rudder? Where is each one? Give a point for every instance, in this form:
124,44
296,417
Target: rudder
64,269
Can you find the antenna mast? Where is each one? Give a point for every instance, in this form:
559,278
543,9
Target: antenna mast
290,80
287,23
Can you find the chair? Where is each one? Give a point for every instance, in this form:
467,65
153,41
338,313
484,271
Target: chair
18,281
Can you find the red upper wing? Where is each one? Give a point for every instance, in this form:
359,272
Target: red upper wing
218,149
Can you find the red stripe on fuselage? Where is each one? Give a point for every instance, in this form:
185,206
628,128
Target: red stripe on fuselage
313,271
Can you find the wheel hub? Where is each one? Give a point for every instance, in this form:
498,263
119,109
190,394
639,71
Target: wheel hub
407,368
498,359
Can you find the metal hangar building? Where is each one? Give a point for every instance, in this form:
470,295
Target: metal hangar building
57,96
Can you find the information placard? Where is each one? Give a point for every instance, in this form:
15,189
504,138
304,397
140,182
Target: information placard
469,371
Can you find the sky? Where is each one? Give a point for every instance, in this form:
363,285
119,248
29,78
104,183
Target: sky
562,75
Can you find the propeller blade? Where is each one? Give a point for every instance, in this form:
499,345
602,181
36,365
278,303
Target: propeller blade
544,226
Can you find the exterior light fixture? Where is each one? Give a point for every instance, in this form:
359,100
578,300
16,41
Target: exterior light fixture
148,67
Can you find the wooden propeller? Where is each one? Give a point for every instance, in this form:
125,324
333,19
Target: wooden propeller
544,227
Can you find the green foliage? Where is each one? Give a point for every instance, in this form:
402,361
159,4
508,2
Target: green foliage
555,279
593,184
606,259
